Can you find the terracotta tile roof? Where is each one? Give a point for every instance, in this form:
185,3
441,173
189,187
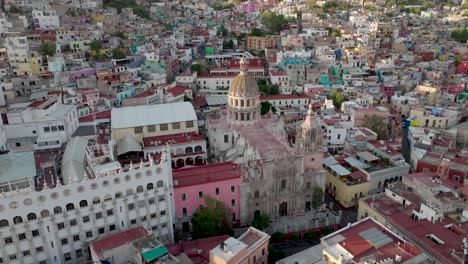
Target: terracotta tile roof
205,174
178,90
106,114
119,239
179,138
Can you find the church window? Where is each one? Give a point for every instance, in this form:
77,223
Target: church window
242,102
248,116
242,116
257,194
226,138
237,102
283,184
248,102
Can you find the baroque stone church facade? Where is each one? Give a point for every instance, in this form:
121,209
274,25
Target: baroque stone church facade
278,178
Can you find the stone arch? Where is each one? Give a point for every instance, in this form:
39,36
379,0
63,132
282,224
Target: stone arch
70,207
180,163
31,216
283,209
4,223
139,189
57,210
189,161
198,148
45,213
17,220
257,214
160,184
149,186
188,150
83,203
199,160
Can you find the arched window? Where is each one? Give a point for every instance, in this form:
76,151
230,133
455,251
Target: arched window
83,203
160,184
188,150
129,192
149,186
283,184
257,194
17,220
45,213
96,200
139,189
198,149
57,210
4,223
31,216
70,207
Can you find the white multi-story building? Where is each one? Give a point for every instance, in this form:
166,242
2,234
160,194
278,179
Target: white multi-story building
40,125
45,19
214,84
5,26
17,49
55,221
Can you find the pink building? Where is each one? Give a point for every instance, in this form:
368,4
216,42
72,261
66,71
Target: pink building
220,181
249,7
88,96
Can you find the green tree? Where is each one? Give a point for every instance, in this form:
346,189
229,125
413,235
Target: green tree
229,44
273,22
256,32
370,8
96,45
265,108
261,222
317,197
337,97
211,219
118,54
275,254
47,49
330,6
200,68
460,34
277,237
15,10
378,126
222,31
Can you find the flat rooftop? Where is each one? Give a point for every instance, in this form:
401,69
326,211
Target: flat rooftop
16,166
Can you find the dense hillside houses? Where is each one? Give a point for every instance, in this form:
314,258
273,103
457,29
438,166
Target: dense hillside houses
225,132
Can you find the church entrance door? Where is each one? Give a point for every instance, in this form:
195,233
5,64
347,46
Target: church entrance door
257,214
283,209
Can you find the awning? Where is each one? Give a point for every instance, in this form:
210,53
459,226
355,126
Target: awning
153,254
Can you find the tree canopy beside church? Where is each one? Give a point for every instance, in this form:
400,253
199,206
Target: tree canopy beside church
211,219
265,108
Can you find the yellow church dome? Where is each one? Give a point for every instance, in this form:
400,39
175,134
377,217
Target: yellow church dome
243,85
